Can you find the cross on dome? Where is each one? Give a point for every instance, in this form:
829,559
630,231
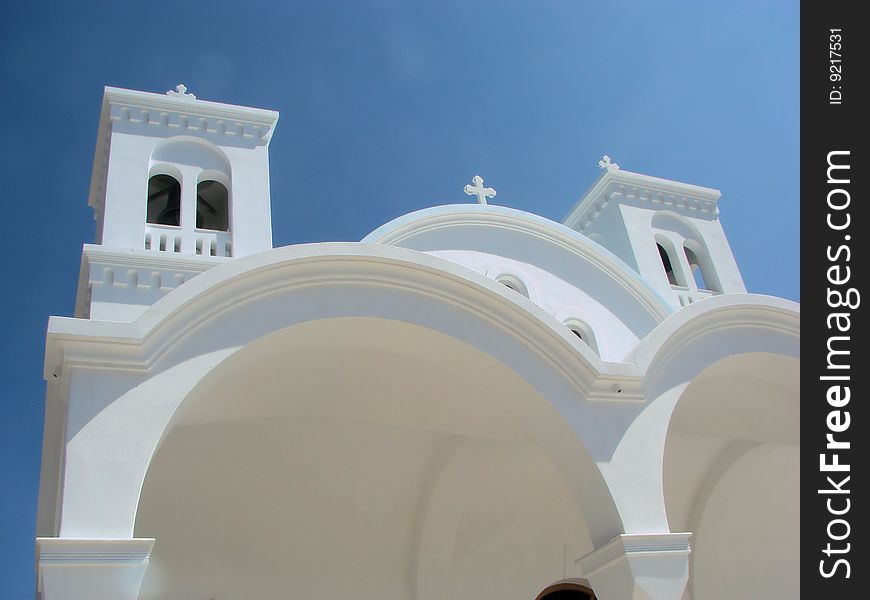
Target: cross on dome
478,190
181,91
607,164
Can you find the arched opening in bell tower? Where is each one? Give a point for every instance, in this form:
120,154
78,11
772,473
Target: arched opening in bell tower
164,200
212,206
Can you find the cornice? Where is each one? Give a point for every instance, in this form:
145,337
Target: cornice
69,551
146,259
185,106
124,259
629,545
662,194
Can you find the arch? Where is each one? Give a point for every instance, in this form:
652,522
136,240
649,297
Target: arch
684,240
583,331
731,474
165,169
667,256
723,326
511,279
195,162
534,240
425,374
164,200
212,205
673,356
701,266
666,220
192,152
189,332
514,283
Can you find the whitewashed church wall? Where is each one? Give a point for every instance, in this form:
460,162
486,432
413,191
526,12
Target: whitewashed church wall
557,297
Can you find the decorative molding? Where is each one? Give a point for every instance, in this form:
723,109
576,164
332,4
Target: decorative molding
179,106
136,271
76,551
175,114
715,314
629,545
140,345
616,184
151,259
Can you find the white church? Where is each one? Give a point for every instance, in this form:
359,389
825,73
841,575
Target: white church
473,402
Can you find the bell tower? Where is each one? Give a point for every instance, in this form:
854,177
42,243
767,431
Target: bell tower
178,186
668,231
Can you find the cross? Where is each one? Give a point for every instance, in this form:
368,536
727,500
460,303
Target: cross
181,90
607,164
478,190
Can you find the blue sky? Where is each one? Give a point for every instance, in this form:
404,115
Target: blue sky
386,108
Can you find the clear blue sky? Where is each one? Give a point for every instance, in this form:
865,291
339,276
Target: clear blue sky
386,108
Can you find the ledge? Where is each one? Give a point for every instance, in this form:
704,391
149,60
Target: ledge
626,545
663,193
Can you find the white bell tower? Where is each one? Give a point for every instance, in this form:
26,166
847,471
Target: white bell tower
668,231
178,186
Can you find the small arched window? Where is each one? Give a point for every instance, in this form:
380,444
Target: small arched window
212,206
702,281
583,332
666,263
514,283
164,200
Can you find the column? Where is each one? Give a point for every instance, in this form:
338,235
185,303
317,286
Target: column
680,263
188,209
639,567
91,569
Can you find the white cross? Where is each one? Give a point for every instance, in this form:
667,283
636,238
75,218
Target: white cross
478,190
607,164
181,90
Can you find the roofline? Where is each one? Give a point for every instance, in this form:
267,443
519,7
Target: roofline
587,202
204,108
401,228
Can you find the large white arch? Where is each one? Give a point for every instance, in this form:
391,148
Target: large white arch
603,424
193,330
731,475
671,358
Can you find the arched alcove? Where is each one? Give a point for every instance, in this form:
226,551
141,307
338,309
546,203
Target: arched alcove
701,266
200,197
583,332
193,152
514,283
676,236
667,258
731,475
412,474
164,200
212,205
